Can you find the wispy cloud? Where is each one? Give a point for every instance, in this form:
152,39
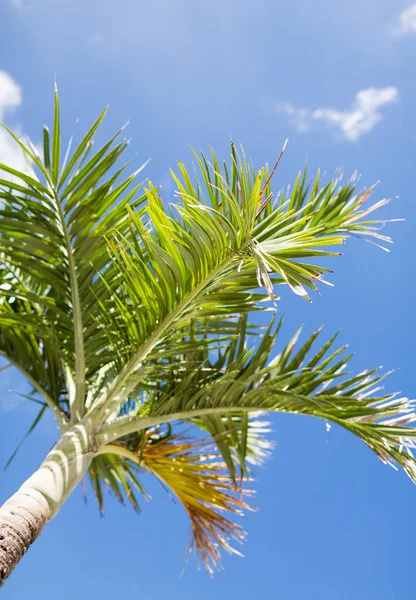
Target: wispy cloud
407,21
348,124
10,98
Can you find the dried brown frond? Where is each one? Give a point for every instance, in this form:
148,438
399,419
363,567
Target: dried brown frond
194,472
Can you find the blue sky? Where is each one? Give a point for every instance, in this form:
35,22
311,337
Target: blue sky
337,79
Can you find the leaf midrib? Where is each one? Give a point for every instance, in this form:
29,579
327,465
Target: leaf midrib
77,408
110,403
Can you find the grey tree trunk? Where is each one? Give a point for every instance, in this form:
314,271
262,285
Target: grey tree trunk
40,498
22,519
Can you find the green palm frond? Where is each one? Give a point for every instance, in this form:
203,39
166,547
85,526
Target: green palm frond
306,381
53,228
119,477
35,352
204,257
241,438
240,434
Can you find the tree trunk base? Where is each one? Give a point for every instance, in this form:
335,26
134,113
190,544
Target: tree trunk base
22,518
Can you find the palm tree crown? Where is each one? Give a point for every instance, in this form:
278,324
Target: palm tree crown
131,316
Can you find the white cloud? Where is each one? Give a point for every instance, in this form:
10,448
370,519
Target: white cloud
407,21
350,124
10,98
10,93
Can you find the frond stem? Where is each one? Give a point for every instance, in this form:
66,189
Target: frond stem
125,425
122,387
120,451
77,409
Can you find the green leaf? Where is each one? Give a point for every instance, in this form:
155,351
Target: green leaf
46,149
56,141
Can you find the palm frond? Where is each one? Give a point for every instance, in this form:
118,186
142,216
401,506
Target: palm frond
306,381
204,257
53,228
194,472
242,439
35,352
118,476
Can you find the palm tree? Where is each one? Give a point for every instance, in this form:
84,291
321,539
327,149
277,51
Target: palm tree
129,319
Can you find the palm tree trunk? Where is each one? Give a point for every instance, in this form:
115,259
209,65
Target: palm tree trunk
40,498
22,519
